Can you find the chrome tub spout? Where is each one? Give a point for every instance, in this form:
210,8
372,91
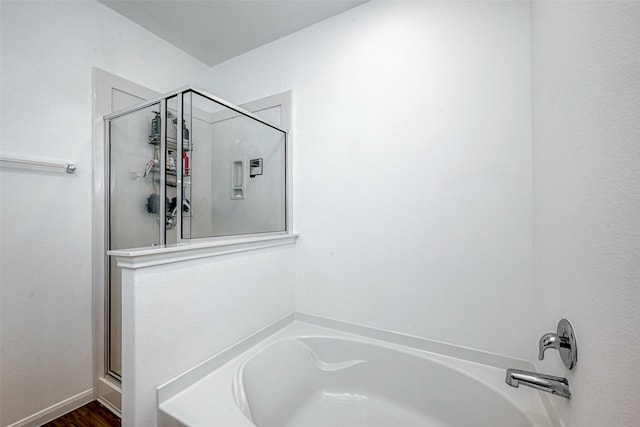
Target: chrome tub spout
548,383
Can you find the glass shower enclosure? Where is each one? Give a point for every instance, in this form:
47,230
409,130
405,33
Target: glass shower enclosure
187,166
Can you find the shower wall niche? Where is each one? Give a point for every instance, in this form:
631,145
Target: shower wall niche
188,166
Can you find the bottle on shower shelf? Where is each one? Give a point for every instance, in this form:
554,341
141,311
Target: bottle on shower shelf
186,171
171,163
185,131
155,125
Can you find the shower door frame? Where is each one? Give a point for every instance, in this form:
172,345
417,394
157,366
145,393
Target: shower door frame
101,177
106,385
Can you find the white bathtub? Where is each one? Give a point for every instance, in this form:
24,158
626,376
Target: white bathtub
309,376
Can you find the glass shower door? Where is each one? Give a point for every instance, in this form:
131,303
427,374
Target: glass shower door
189,166
134,204
236,182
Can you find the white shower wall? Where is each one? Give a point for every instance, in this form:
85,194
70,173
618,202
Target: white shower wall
131,223
412,166
263,206
217,143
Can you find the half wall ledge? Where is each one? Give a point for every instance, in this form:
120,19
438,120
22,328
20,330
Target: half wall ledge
161,255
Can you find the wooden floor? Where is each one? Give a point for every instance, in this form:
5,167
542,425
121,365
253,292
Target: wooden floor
90,415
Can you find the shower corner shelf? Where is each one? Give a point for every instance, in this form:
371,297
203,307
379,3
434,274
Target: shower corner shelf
171,143
170,176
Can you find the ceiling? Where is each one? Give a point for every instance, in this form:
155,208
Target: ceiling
216,30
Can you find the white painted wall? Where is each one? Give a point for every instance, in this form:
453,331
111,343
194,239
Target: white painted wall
412,166
586,162
178,315
48,50
413,192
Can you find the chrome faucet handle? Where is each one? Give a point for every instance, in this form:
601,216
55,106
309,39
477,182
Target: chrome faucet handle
547,341
564,341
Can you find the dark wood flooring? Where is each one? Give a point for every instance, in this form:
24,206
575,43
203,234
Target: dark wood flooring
92,414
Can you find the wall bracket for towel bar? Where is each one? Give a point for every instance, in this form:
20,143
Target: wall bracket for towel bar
68,167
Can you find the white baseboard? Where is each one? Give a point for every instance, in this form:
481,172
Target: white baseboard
55,411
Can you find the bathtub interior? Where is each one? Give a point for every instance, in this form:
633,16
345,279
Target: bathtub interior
328,381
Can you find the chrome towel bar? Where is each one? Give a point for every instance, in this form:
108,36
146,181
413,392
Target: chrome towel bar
68,167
